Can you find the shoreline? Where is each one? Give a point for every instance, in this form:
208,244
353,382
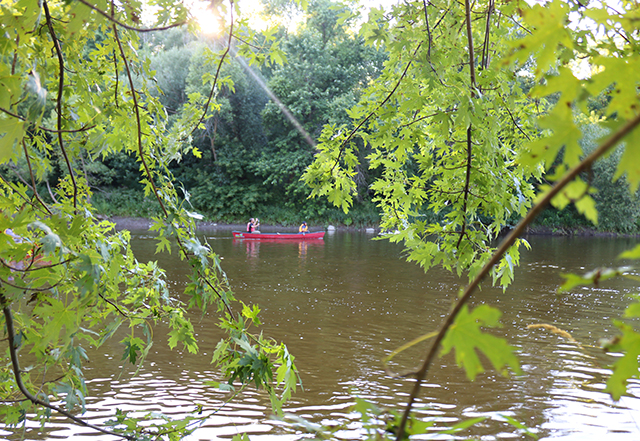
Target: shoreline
139,223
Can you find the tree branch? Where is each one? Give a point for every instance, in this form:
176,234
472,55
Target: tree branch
472,75
126,26
467,183
18,377
373,112
472,67
485,46
426,20
142,154
215,79
46,129
504,246
136,111
56,45
33,179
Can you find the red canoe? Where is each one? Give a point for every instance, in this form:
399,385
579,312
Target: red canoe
288,236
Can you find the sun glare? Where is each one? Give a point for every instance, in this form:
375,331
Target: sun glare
209,21
253,11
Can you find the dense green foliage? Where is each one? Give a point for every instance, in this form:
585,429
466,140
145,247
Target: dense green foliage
253,152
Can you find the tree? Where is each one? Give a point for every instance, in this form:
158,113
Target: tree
69,280
459,145
618,208
326,71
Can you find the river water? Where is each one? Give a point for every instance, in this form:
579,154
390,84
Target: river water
343,304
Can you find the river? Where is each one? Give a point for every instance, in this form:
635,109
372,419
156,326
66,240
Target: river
343,304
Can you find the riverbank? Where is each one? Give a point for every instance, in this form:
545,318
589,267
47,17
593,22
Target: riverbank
139,223
538,230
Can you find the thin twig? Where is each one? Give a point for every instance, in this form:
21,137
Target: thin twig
46,129
33,179
242,40
419,119
53,197
115,59
14,62
472,75
25,288
513,119
24,197
373,112
26,270
114,305
126,26
215,79
56,45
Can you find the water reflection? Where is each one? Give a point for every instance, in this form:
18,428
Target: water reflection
343,304
253,246
253,249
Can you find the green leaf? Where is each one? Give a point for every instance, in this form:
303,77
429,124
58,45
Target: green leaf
627,365
462,425
132,346
61,321
11,132
466,337
591,278
631,254
10,89
633,310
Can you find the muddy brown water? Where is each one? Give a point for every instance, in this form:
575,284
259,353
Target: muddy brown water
343,304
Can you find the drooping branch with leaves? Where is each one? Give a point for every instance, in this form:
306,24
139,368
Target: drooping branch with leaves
68,280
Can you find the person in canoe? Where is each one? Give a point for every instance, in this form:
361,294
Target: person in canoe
252,225
303,228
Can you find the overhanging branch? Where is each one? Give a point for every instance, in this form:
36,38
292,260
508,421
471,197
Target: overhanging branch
502,249
15,365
